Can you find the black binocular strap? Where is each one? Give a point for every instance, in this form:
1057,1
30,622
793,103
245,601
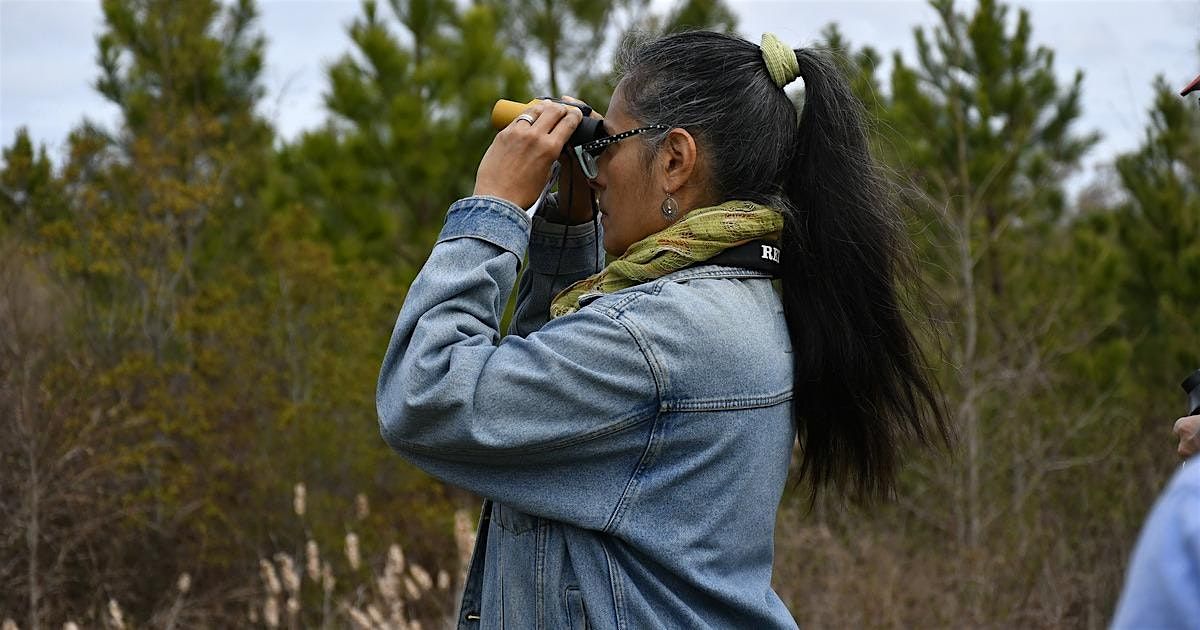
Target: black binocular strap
757,255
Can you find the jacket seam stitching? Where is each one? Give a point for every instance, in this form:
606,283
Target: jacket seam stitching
540,570
616,312
721,404
616,588
646,459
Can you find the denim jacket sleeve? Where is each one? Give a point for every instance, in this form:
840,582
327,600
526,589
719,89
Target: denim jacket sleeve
559,255
554,423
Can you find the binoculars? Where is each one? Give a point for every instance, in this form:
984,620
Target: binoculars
589,128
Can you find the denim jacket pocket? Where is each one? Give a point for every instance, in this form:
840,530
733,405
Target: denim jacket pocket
513,521
576,619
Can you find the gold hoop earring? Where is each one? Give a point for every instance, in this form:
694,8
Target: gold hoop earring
670,208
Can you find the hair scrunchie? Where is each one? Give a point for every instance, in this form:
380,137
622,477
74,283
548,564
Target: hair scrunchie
780,59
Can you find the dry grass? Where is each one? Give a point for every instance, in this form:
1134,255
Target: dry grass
366,589
851,569
837,567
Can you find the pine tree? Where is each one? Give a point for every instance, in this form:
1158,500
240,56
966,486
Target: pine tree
164,195
980,135
408,124
31,194
154,213
1157,228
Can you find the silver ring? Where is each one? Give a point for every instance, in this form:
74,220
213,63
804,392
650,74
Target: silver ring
526,117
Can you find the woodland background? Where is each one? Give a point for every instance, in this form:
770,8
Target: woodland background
193,312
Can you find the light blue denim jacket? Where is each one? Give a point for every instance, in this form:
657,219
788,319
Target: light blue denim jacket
633,454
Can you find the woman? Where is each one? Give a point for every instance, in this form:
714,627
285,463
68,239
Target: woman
632,432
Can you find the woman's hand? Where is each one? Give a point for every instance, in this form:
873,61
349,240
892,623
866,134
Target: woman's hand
574,194
516,165
1188,431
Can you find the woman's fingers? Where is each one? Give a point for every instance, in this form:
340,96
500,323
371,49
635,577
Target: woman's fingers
564,127
545,115
549,113
552,126
558,122
571,99
517,163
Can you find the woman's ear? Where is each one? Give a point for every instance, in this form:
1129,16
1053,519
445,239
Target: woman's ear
677,158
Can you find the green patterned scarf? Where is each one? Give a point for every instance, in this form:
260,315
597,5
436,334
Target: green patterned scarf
698,236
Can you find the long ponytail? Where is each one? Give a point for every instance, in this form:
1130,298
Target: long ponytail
862,387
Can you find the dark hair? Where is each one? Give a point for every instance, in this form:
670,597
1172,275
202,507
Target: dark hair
862,386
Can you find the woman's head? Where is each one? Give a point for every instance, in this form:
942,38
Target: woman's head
673,81
861,384
635,177
718,89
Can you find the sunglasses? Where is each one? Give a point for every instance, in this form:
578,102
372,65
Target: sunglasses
589,152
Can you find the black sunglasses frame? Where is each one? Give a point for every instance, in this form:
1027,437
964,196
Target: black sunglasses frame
587,152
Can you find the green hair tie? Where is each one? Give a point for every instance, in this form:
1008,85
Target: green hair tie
780,59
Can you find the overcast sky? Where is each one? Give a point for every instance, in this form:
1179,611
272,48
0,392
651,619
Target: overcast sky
47,55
